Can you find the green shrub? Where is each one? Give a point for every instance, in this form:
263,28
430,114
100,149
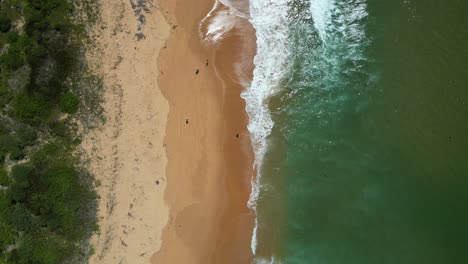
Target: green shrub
36,54
40,204
15,144
5,23
20,182
2,157
21,219
12,36
29,108
5,95
7,142
69,103
7,236
26,136
17,154
4,179
59,129
42,248
4,207
13,58
3,128
48,154
20,174
16,193
63,191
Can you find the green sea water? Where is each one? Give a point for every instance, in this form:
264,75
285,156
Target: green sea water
368,158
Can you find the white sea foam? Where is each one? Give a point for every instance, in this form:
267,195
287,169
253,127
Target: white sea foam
321,14
342,41
343,17
272,260
219,20
223,17
270,20
336,23
239,7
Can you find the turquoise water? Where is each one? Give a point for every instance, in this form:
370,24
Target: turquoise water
367,161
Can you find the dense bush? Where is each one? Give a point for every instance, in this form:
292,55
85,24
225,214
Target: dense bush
31,109
69,103
15,144
41,247
59,128
11,36
46,47
7,234
6,143
26,137
13,58
44,199
4,179
5,95
45,203
5,23
17,154
20,175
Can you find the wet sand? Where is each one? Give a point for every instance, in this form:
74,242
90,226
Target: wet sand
210,161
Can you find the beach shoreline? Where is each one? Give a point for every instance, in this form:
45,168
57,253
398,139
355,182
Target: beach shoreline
210,158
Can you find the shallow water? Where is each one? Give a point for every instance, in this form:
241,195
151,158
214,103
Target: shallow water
367,161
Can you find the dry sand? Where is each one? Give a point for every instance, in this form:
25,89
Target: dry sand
127,155
203,210
208,146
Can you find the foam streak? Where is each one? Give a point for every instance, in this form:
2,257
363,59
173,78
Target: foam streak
270,22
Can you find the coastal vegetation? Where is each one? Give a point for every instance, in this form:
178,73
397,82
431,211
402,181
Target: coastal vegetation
47,202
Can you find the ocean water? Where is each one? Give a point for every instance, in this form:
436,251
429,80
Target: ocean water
359,121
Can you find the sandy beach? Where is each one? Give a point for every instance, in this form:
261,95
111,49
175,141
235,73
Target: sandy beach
173,160
126,154
209,151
